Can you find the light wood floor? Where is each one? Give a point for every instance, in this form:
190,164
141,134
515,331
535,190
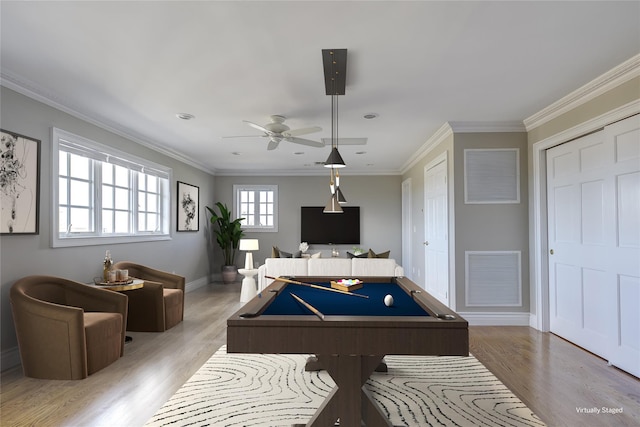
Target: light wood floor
552,376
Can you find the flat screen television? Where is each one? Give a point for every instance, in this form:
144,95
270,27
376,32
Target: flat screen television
321,228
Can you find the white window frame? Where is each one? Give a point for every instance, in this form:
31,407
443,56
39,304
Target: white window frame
103,153
236,207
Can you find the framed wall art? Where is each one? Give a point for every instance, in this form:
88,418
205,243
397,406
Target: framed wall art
188,207
19,183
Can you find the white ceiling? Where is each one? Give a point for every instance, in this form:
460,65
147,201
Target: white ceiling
131,66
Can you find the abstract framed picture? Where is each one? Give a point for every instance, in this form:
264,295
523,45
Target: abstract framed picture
19,183
188,207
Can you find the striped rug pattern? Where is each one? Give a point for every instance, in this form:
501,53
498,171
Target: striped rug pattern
241,390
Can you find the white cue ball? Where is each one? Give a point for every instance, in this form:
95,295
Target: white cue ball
388,300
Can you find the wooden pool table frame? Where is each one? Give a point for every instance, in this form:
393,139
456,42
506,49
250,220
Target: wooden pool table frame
349,347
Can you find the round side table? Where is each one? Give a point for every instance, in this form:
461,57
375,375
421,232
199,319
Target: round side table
249,289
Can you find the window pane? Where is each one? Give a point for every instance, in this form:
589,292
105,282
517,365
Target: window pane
122,198
62,220
152,203
142,181
122,176
62,191
79,193
62,163
79,167
107,197
122,222
142,201
107,222
152,184
80,220
107,173
152,222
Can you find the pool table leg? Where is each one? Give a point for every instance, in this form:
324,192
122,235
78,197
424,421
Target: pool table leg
348,401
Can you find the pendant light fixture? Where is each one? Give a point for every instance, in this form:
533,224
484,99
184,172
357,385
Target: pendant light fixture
335,70
333,206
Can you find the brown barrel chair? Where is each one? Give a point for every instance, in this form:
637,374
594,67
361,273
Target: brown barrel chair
65,329
159,304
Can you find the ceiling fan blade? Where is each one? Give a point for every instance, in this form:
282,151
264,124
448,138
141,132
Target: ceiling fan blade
273,144
245,136
260,128
303,141
303,131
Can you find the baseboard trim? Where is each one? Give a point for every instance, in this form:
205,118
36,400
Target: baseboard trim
496,319
198,283
10,358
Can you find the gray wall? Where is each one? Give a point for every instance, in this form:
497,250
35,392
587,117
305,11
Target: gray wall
379,198
475,227
187,254
490,227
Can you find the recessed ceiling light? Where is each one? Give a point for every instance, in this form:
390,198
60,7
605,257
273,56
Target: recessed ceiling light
185,116
370,116
236,153
297,153
361,152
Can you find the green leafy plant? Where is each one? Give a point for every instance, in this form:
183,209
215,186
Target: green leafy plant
228,232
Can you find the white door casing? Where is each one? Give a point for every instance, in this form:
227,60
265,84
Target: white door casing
407,228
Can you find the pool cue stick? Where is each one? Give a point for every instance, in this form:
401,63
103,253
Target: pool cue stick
323,288
309,306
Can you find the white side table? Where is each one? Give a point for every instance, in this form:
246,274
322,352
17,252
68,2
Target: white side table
249,289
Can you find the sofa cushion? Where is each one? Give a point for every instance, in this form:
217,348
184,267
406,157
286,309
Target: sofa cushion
285,267
373,267
335,267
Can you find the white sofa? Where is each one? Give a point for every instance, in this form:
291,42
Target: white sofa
333,267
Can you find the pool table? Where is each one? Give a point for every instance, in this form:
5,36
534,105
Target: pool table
349,334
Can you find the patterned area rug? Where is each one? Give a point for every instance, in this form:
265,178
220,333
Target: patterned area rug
274,390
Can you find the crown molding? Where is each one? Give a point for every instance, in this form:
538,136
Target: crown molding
622,73
32,91
440,135
480,127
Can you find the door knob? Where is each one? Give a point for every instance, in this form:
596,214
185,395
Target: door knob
551,251
426,243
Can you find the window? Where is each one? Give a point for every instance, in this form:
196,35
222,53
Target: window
102,195
258,205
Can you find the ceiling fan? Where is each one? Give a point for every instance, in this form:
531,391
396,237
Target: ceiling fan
277,131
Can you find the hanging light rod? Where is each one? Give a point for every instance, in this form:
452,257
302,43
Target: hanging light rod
335,70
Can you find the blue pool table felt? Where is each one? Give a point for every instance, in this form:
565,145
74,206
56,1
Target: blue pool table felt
336,304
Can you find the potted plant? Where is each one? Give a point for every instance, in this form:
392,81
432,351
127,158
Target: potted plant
228,234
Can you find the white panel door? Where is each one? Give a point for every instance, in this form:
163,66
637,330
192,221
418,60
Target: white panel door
436,242
593,191
625,341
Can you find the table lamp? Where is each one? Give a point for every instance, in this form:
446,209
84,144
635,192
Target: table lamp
249,245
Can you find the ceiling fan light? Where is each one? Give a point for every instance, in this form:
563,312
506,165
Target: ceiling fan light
333,206
334,160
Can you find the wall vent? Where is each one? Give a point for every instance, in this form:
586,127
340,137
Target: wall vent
492,175
493,278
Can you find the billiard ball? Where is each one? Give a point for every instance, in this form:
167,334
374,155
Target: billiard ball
388,300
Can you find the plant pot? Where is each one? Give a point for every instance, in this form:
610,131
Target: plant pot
229,273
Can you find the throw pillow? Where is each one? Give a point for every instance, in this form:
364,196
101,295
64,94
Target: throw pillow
275,252
362,255
372,254
316,255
